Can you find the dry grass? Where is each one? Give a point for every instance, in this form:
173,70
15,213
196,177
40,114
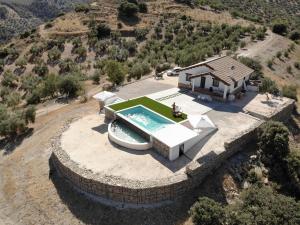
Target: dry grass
69,23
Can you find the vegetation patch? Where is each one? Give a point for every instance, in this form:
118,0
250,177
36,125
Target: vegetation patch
151,104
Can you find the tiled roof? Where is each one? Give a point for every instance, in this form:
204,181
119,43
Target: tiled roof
225,68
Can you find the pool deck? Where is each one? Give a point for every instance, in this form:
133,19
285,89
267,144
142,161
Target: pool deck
86,141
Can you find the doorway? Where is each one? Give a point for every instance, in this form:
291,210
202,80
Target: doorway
202,83
181,149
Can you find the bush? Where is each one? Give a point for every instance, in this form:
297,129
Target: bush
261,205
34,97
293,168
66,66
279,28
273,141
54,54
278,55
96,77
289,70
143,7
297,65
70,86
290,91
295,35
50,85
140,34
9,79
270,63
207,211
15,122
40,69
102,31
128,9
48,25
21,62
82,8
115,72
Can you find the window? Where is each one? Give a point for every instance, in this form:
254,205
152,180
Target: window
215,83
187,77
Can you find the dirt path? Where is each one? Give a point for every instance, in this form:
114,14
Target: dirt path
265,49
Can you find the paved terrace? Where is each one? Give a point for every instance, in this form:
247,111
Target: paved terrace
92,149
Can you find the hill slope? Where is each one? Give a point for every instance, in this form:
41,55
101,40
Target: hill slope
17,16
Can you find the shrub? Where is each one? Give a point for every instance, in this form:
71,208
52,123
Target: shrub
34,97
290,91
82,8
286,54
69,85
268,86
278,55
270,63
128,9
54,54
103,31
66,66
143,7
289,70
21,62
140,34
297,65
207,211
96,77
40,69
9,79
13,99
279,28
48,25
295,35
115,72
50,85
273,141
261,205
81,52
293,168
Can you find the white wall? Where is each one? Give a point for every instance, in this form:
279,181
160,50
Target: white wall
193,71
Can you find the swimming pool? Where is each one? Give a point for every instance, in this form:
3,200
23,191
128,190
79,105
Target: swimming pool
145,118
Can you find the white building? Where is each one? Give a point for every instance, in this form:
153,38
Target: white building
221,77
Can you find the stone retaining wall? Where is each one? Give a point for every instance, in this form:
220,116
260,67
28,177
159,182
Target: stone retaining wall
122,190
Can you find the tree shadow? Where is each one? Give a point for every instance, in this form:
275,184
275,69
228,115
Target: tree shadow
102,129
8,145
129,21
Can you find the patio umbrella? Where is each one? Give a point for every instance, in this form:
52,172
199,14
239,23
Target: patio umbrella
200,121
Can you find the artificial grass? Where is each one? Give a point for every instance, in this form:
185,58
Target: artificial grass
151,104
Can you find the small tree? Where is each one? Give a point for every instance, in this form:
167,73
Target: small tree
81,52
207,211
128,9
279,28
9,79
70,86
21,63
273,141
66,66
50,85
96,77
40,69
268,86
115,72
54,54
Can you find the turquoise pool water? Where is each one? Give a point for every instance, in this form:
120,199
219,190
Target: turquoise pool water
124,132
145,118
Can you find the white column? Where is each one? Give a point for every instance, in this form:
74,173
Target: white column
225,92
193,84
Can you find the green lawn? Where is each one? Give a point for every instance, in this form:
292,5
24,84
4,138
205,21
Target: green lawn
151,104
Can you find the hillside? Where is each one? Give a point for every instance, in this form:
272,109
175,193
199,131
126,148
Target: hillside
17,16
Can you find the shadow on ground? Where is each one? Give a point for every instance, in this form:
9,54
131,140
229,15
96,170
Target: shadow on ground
8,145
89,211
